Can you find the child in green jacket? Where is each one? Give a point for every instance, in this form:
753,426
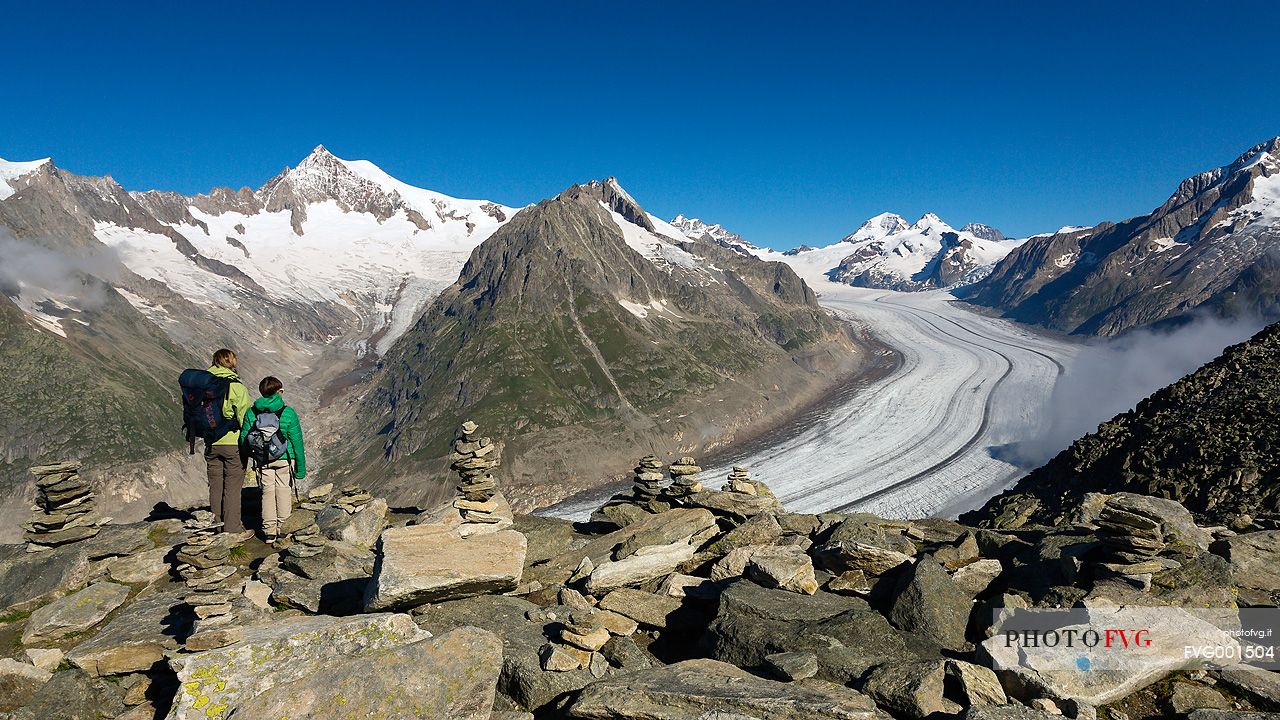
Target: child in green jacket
277,476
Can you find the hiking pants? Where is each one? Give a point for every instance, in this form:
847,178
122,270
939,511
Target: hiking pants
226,478
276,479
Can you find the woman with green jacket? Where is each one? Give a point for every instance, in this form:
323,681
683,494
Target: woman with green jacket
276,476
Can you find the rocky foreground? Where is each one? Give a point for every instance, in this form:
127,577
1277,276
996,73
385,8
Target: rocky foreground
677,601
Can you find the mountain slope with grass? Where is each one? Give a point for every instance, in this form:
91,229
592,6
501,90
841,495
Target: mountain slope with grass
586,333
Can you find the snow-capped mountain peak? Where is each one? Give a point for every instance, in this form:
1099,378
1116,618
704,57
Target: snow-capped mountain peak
931,222
11,171
878,227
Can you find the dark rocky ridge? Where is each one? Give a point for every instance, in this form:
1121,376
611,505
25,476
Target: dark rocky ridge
1209,441
1194,250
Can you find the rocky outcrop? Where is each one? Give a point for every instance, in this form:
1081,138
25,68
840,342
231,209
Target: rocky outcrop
1203,442
693,611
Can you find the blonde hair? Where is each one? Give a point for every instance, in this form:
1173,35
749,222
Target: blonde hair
225,358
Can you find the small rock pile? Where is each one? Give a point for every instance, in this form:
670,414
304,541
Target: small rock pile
351,498
65,509
684,478
648,480
739,480
580,638
474,458
203,563
1133,536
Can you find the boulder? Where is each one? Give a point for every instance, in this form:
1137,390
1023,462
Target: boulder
792,665
710,689
656,611
45,658
360,528
680,528
841,557
429,563
647,563
131,538
451,676
1187,697
137,637
961,552
976,684
1254,559
737,506
28,580
19,682
910,689
71,695
1253,681
788,569
1034,670
624,653
279,652
929,602
144,567
850,582
867,529
846,635
522,678
1232,715
763,529
74,613
331,582
558,567
977,576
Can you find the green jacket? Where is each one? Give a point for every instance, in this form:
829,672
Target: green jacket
236,405
289,425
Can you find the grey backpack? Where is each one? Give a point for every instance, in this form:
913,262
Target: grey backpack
265,441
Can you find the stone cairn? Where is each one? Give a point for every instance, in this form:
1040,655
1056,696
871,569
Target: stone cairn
740,481
648,480
684,478
579,638
65,508
474,458
308,540
204,565
1133,538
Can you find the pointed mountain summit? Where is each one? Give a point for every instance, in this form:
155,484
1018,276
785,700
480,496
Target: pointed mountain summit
1214,242
588,332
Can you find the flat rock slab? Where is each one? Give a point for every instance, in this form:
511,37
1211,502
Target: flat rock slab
453,676
276,653
74,613
648,563
136,638
560,566
430,563
143,567
28,580
711,689
1029,670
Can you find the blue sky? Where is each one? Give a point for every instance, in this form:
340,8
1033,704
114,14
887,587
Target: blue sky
788,122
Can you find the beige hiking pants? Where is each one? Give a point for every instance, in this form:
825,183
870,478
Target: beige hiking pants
276,480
